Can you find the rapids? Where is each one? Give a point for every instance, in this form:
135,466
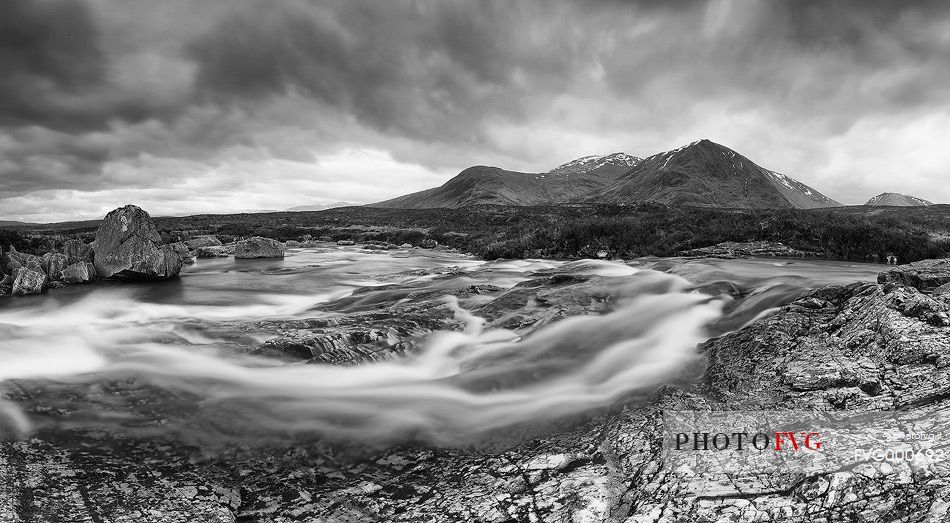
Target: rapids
187,344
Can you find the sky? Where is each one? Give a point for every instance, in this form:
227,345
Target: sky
229,105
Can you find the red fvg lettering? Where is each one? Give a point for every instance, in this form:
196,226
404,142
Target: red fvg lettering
789,437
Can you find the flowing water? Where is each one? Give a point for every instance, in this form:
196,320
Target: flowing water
187,346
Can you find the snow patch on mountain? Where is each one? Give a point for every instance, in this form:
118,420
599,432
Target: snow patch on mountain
589,163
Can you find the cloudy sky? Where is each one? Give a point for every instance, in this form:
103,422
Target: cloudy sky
227,105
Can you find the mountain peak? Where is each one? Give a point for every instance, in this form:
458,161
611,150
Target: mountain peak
705,173
897,200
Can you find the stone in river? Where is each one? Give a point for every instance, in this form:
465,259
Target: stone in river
202,241
77,273
258,247
128,245
28,281
213,251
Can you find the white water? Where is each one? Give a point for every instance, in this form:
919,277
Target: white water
187,341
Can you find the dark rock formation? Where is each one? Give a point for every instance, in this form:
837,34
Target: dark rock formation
258,247
128,245
925,275
28,281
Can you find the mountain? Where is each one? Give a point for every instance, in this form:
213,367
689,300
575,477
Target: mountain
492,185
320,206
702,173
894,199
707,174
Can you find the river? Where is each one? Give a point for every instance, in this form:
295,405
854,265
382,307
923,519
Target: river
188,346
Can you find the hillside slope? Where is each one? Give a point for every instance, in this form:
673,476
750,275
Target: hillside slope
894,199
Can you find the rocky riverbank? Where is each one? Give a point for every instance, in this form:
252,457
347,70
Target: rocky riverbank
864,347
127,245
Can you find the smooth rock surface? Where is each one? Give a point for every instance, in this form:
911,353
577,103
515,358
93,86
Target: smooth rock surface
128,245
258,247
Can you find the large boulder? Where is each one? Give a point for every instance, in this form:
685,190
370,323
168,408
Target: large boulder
925,275
258,247
77,251
128,245
202,241
28,281
53,264
78,272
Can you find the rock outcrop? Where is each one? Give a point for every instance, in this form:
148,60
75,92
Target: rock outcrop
128,245
925,275
258,247
749,249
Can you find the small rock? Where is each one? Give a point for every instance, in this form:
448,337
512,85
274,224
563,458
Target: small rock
258,247
202,241
212,252
76,273
28,281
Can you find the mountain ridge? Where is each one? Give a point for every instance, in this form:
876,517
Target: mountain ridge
702,173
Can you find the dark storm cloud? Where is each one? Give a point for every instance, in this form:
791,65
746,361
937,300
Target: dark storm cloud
49,56
92,92
430,69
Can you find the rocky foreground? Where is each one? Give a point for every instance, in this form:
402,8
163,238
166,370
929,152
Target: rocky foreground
856,348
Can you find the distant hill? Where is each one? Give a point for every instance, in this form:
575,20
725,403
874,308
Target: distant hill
320,206
894,199
702,173
492,185
707,174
